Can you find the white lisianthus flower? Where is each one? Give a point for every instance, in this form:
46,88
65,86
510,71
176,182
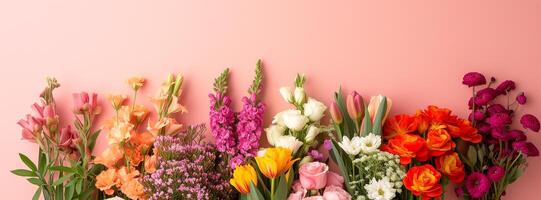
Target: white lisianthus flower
288,141
299,95
380,190
294,120
273,132
314,109
278,118
286,94
351,147
370,143
312,133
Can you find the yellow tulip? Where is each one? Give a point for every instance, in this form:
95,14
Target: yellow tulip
275,162
242,177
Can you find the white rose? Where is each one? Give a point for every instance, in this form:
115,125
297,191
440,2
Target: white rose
273,132
312,133
314,109
286,94
351,147
370,143
294,120
288,141
299,95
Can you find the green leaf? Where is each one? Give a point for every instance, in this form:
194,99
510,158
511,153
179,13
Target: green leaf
37,194
472,155
28,162
348,123
367,122
62,169
282,190
61,180
79,186
69,192
24,172
256,83
93,138
380,114
220,83
42,162
335,153
254,193
36,181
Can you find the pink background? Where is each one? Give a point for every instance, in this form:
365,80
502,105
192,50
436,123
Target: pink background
413,51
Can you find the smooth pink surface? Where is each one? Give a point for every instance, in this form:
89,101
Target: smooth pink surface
413,51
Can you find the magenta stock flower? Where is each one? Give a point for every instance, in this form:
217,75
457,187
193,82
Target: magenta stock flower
527,148
529,121
222,123
85,102
521,99
474,79
505,87
250,126
495,173
499,120
477,184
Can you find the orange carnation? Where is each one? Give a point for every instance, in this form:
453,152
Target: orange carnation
424,181
133,189
451,166
106,180
110,156
407,146
439,141
400,124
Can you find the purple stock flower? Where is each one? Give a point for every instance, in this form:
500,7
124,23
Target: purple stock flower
527,148
477,184
222,120
516,135
499,120
521,99
505,87
327,144
529,121
474,79
250,126
495,173
484,96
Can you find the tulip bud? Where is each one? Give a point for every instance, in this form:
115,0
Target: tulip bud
300,95
355,106
286,94
335,113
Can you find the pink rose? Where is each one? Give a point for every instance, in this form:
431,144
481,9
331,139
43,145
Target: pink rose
315,198
296,186
298,195
336,193
313,175
335,179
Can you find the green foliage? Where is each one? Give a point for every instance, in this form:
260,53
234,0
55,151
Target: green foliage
258,79
220,83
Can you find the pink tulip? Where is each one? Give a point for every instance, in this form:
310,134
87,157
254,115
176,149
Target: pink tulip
315,198
334,179
297,195
313,176
355,106
67,137
31,127
84,102
335,193
375,103
335,113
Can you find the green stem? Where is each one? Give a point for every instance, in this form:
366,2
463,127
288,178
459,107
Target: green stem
272,189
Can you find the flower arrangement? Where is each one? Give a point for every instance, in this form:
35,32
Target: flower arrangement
501,156
64,169
426,144
316,181
237,134
297,129
187,168
130,153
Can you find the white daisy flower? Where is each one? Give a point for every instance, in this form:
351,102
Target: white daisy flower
380,190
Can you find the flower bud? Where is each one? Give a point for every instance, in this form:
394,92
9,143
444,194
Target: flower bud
355,106
336,114
286,94
312,133
300,95
178,84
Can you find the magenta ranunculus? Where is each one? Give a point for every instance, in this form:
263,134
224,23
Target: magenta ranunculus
495,173
459,192
527,148
521,99
505,87
484,96
477,115
313,175
474,79
484,127
499,133
516,135
496,108
499,120
335,179
477,184
529,121
335,193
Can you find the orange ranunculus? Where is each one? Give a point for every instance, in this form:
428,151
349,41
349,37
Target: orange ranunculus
106,180
424,181
400,124
133,189
465,130
423,122
408,147
438,115
451,166
275,162
439,141
110,156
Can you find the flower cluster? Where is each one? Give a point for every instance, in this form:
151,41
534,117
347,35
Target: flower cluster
130,152
187,169
237,134
429,136
317,181
501,156
297,129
